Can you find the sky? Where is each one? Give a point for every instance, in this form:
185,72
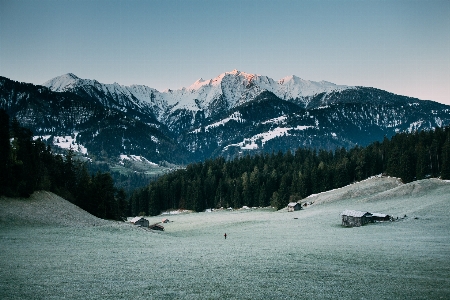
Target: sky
399,46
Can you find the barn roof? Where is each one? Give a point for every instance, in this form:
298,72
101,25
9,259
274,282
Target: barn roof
293,204
379,215
354,213
135,219
156,225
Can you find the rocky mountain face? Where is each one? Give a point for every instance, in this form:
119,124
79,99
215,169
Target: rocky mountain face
229,115
106,126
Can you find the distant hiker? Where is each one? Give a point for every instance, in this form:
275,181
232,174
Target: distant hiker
225,235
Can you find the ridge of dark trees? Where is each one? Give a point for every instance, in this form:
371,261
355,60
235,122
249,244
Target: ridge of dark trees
278,178
28,165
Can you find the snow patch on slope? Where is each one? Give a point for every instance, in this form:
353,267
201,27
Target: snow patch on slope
262,138
235,116
415,126
279,120
65,142
136,158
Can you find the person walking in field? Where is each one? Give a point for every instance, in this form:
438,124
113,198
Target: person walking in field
225,235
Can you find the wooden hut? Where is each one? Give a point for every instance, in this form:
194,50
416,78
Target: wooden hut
355,218
378,217
156,226
293,206
140,221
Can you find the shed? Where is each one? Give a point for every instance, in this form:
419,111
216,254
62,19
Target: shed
140,221
355,218
156,226
380,217
293,206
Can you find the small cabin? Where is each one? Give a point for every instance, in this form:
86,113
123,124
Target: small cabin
378,217
156,226
355,218
293,206
140,221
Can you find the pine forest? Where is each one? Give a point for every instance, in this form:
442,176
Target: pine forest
261,180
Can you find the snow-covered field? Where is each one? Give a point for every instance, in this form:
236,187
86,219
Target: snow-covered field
267,255
65,142
251,143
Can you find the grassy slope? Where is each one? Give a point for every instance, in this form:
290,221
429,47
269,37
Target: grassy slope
266,255
45,208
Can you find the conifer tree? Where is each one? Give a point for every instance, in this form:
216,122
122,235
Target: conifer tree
23,167
103,196
83,189
284,190
5,150
70,175
246,196
407,164
263,200
422,165
445,171
122,204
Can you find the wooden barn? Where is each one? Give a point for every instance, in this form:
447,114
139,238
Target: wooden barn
378,217
355,218
293,206
156,226
140,221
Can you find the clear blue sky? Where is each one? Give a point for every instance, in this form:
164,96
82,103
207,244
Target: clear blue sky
399,46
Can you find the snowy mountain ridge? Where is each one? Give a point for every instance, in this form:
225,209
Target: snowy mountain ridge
140,96
231,114
230,88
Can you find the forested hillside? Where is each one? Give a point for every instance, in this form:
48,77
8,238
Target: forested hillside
28,165
278,178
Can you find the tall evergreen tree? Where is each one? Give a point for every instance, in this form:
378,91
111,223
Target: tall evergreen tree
83,189
422,165
5,150
445,171
122,204
103,196
23,166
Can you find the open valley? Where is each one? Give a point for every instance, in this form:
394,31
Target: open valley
267,254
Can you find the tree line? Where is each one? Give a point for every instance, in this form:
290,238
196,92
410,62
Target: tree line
27,165
278,178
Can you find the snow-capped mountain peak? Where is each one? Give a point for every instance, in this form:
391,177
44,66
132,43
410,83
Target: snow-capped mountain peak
292,87
227,90
198,84
72,76
243,75
62,83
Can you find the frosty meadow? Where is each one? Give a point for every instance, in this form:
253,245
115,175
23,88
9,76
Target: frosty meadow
268,254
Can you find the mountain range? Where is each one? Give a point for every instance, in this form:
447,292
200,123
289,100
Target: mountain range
230,115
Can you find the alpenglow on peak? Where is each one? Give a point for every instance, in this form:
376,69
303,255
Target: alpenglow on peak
230,88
